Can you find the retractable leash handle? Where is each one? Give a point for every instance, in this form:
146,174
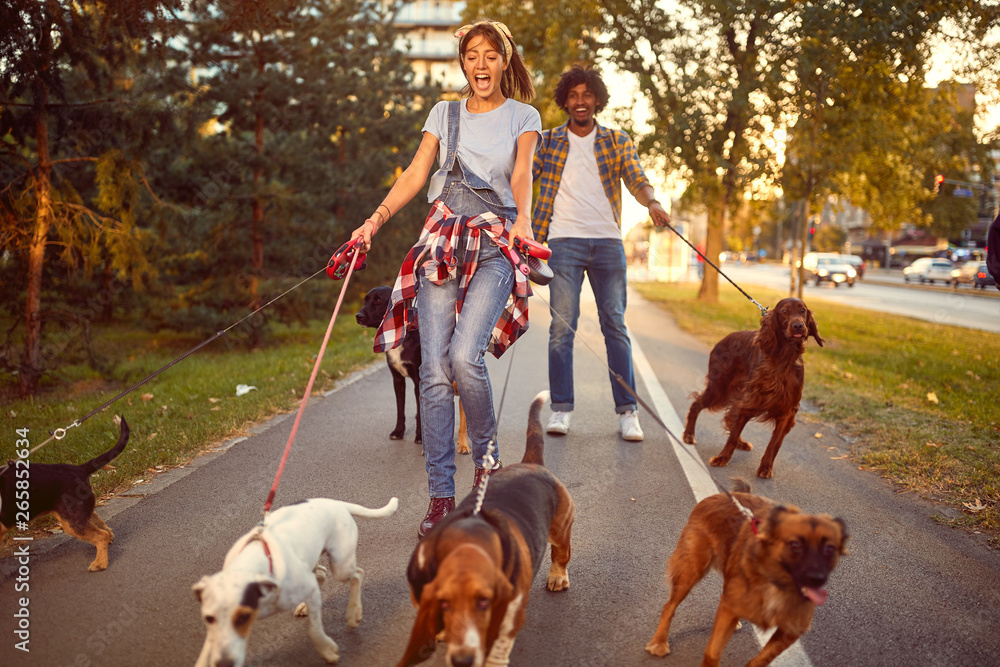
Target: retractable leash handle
532,252
342,259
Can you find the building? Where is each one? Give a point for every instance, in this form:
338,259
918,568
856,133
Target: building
429,41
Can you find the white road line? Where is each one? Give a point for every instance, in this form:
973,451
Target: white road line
699,480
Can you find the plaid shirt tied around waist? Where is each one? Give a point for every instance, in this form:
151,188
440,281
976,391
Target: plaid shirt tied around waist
433,256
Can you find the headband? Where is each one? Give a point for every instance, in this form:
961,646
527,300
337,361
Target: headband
505,36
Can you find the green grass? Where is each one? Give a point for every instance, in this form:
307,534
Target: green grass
188,408
918,400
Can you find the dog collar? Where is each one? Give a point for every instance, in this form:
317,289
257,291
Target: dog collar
259,536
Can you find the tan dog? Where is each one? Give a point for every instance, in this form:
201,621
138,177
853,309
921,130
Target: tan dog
774,569
471,576
60,489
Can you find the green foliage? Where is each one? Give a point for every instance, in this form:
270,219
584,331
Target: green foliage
295,127
829,238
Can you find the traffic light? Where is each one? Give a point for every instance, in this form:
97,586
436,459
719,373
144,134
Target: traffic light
812,231
938,180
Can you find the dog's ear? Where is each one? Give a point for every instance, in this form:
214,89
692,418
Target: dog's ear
813,329
199,587
767,527
843,536
425,629
503,592
262,588
767,335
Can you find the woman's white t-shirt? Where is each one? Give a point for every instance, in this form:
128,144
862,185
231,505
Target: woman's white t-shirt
487,143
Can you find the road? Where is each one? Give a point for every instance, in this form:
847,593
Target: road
911,592
886,292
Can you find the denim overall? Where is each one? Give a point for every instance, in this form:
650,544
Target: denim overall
453,348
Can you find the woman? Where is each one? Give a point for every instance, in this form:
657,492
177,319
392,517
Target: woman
459,266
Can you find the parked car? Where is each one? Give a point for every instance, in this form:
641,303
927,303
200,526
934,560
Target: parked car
857,263
929,269
973,273
811,258
834,270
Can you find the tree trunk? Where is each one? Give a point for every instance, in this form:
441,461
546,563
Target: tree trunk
257,233
30,370
709,290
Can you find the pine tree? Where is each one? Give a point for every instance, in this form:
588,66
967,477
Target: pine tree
71,177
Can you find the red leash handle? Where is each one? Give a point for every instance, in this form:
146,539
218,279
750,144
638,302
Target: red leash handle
348,269
346,259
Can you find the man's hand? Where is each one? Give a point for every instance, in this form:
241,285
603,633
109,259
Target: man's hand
658,214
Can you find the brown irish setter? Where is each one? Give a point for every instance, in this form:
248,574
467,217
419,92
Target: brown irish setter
757,375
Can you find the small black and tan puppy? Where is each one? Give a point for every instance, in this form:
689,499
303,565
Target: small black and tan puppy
61,489
404,362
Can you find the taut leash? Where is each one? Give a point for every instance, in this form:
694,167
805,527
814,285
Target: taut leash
60,433
335,270
718,270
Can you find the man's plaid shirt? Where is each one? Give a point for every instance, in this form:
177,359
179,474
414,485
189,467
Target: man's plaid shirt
617,160
433,256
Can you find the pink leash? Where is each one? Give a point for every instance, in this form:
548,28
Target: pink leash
335,270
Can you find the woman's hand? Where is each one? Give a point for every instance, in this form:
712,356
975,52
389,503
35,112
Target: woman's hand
365,232
522,228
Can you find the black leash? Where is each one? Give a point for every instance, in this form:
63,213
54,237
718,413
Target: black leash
60,433
763,309
649,410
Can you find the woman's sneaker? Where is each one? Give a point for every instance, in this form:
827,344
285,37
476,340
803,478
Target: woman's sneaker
559,423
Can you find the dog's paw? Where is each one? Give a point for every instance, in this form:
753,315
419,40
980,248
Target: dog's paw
463,448
396,434
718,461
659,649
688,439
765,473
557,581
330,651
744,445
353,615
97,566
302,610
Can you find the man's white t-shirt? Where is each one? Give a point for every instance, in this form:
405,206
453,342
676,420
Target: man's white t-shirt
581,208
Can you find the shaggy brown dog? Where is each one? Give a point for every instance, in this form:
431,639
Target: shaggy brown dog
757,375
61,489
774,568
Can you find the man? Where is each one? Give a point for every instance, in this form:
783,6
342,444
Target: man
580,167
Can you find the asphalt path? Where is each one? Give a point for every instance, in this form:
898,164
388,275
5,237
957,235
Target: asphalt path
911,592
886,292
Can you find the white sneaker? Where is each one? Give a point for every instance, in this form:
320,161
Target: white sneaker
559,423
628,426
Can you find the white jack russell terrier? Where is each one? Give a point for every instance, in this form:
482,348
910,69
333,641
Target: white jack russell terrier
277,569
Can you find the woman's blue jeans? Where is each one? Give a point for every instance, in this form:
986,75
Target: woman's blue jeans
603,260
453,349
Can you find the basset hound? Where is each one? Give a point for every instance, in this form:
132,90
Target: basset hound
470,577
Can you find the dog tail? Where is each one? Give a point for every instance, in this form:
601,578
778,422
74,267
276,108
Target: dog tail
98,462
740,485
535,445
380,513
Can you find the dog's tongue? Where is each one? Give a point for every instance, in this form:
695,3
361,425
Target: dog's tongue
817,595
